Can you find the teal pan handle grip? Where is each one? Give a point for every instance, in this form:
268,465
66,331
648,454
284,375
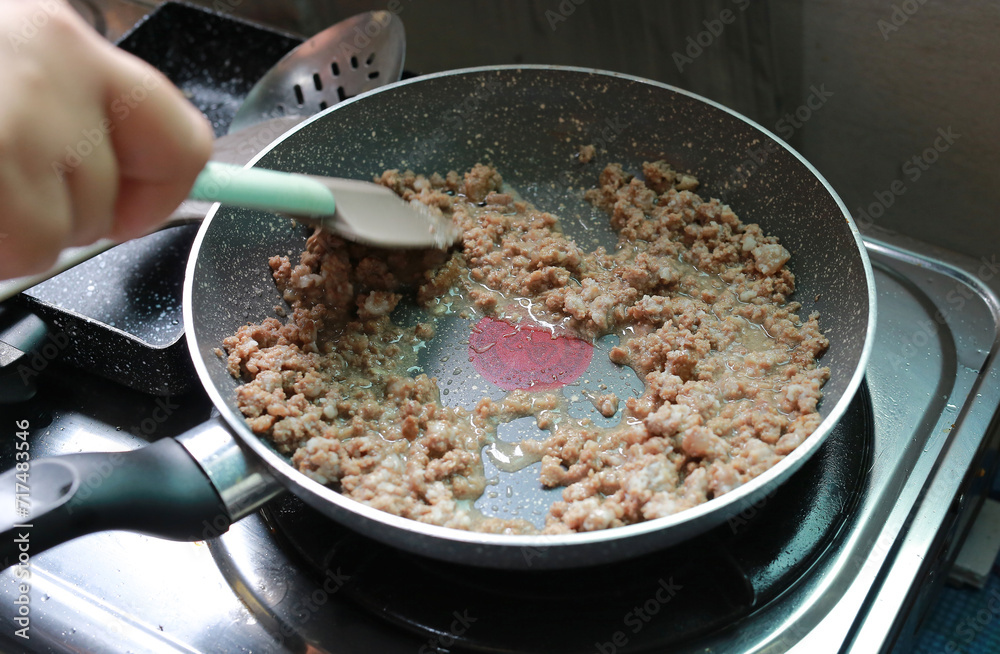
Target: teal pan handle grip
258,188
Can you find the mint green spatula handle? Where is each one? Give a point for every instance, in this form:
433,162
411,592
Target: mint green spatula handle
257,188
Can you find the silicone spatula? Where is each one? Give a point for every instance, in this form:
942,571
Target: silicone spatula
357,210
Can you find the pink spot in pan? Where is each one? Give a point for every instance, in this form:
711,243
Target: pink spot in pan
526,357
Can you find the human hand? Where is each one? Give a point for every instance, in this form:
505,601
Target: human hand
93,142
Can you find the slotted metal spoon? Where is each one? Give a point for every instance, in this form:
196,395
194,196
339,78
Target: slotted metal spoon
355,55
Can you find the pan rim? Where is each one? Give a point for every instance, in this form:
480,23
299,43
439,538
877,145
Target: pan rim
306,487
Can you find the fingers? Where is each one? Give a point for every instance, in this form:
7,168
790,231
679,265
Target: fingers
93,142
161,143
93,187
138,201
37,220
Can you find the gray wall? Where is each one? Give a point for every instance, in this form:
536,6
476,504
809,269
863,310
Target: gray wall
892,94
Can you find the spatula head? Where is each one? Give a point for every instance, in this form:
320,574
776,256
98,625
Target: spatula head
373,214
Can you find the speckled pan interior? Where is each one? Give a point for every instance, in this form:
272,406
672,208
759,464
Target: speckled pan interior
530,122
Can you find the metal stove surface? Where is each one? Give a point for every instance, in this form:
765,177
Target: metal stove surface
933,396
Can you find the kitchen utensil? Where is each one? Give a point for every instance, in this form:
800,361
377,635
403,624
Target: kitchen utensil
355,55
530,120
358,210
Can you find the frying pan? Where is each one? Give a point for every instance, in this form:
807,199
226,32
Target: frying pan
529,121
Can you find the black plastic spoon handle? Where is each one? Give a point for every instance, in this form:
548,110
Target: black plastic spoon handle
158,490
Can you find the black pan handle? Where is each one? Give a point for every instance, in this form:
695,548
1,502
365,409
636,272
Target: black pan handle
161,489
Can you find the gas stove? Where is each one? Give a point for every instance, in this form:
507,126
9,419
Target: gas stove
845,556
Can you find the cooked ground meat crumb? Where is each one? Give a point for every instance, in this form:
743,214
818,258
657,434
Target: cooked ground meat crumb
699,300
606,404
